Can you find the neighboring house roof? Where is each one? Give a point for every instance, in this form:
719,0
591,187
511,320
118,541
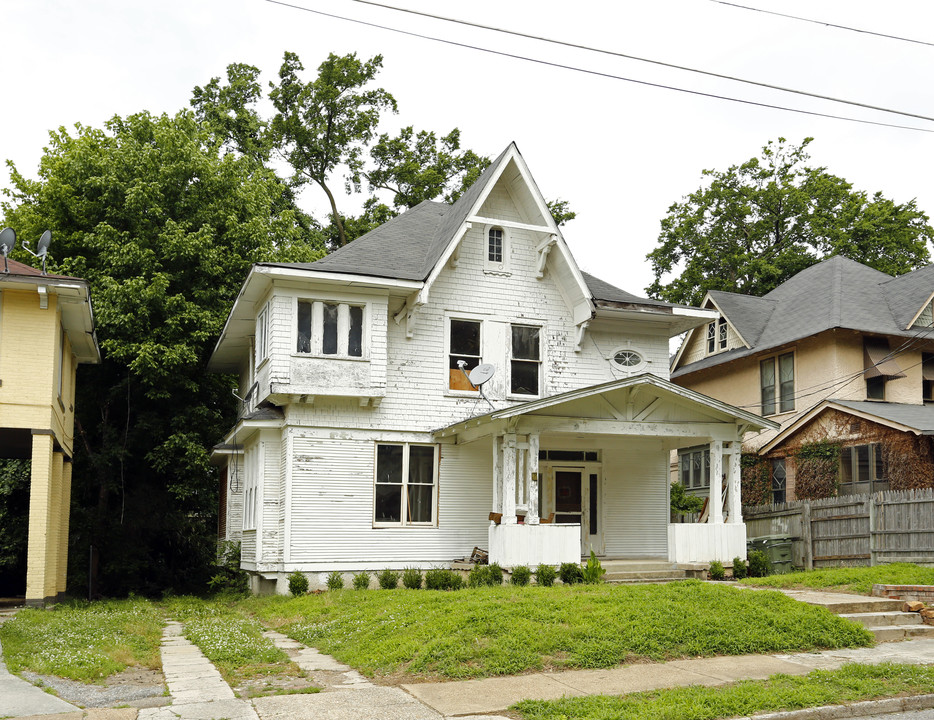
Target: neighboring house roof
917,419
835,293
18,268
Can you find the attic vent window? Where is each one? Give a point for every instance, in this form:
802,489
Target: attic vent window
627,358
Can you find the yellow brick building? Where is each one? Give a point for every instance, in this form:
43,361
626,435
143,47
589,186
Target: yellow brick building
46,330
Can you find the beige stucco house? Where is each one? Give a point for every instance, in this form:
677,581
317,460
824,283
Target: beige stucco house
839,352
46,331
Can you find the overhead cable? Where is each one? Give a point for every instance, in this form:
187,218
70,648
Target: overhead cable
599,73
626,56
823,22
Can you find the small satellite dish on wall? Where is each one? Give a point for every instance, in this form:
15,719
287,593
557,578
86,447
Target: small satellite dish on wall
7,243
42,248
481,374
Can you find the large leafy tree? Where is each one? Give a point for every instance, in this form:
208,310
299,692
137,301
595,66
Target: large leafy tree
327,126
164,226
751,227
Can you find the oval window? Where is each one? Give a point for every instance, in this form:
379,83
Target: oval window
627,358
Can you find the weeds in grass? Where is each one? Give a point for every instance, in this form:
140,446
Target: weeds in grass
84,641
850,683
508,630
856,580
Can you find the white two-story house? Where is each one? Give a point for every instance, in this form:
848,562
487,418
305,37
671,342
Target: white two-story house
362,444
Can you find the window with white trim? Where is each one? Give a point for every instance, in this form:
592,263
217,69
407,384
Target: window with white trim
777,384
525,360
406,484
496,249
716,336
464,345
262,335
329,328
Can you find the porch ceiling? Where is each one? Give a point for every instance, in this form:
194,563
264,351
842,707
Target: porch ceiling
643,405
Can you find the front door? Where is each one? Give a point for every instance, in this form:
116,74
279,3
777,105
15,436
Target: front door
577,498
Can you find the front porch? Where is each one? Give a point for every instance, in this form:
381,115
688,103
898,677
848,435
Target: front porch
588,470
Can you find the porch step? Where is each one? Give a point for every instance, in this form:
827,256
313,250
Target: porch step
636,576
885,619
869,605
893,633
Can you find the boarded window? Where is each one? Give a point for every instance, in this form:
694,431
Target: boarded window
464,347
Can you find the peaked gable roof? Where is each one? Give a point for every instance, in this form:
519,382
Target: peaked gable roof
834,293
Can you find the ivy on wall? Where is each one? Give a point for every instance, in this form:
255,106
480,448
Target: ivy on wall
817,467
908,461
756,480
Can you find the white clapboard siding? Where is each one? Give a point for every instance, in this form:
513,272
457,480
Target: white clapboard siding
635,501
332,507
271,479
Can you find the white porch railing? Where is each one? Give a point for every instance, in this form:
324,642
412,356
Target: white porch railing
704,542
531,545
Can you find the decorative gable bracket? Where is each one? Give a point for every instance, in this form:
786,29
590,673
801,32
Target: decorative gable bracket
544,247
407,313
581,328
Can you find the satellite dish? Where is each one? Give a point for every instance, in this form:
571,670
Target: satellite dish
481,374
7,243
42,248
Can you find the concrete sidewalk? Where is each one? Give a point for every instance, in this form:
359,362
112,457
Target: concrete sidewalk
19,698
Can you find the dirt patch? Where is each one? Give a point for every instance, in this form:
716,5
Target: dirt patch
139,687
274,684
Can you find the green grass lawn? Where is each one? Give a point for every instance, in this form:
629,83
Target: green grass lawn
851,683
853,580
509,630
84,641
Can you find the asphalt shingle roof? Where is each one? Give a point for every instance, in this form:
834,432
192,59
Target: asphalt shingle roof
835,293
917,417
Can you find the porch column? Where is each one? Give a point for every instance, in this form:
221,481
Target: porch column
497,475
532,517
716,483
509,479
734,480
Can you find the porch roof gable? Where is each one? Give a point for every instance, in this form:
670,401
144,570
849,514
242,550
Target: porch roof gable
640,405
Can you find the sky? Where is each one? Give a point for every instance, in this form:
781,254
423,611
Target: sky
619,152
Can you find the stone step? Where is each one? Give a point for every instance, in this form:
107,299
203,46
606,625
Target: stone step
641,580
850,607
892,633
884,619
643,574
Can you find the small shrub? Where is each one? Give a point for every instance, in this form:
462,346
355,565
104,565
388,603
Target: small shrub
759,564
229,577
520,575
335,581
592,573
298,583
479,576
545,575
716,571
412,578
443,579
570,573
361,581
495,577
388,579
739,568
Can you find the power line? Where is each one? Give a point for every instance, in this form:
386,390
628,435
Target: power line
598,73
613,53
823,22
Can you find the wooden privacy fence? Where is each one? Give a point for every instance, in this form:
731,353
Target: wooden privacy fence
852,530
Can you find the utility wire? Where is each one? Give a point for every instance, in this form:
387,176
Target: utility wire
822,22
613,53
598,73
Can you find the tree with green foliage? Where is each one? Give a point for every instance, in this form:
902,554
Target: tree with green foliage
328,124
164,226
14,525
751,227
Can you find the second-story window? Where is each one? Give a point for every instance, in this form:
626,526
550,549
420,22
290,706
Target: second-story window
330,329
777,384
927,377
262,335
525,361
464,344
